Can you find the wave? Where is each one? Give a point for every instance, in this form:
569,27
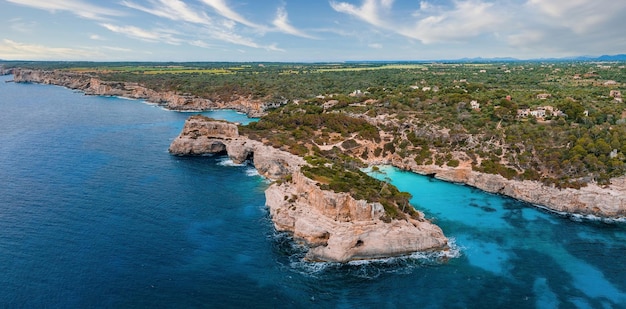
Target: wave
582,217
225,161
252,172
364,269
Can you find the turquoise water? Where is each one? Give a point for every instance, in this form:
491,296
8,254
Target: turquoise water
558,259
94,212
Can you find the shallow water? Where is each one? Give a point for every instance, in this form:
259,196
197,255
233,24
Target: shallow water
94,212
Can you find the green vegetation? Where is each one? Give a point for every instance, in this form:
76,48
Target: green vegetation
428,111
341,176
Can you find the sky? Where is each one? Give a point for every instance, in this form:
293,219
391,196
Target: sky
308,30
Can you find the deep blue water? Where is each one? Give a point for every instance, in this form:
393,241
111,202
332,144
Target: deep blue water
94,212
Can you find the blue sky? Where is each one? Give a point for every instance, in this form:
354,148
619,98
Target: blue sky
308,30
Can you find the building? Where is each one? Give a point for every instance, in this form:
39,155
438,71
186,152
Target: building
474,104
538,113
543,96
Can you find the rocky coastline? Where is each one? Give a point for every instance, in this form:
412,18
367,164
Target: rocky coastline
333,226
4,71
607,202
169,99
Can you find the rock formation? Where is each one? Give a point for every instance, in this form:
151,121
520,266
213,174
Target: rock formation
168,99
334,226
5,71
605,202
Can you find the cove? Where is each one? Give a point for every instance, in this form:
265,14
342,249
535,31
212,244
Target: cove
94,212
518,242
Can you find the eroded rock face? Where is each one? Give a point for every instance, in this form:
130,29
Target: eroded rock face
338,228
606,202
5,71
335,226
168,99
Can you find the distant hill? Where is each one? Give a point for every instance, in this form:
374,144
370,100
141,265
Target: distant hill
619,57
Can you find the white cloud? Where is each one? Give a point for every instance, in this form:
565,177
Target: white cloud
18,25
224,10
77,7
465,20
12,50
376,45
580,16
118,49
200,43
430,24
96,37
282,24
145,35
369,11
171,9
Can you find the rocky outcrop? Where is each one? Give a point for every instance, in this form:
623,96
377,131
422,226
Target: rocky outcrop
605,202
4,71
334,226
338,228
168,99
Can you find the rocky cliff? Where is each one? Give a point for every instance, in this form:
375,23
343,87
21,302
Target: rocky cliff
334,226
605,202
4,71
168,99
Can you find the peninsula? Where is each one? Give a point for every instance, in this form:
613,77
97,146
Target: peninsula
334,226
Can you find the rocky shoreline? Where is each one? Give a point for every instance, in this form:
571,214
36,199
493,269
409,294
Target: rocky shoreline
601,202
604,202
4,71
169,99
334,226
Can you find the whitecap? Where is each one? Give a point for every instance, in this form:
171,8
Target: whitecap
225,161
366,269
252,172
582,217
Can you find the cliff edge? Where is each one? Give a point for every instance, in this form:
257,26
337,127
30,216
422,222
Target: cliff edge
607,202
168,99
334,226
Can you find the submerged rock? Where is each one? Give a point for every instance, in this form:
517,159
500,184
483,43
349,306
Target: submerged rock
334,226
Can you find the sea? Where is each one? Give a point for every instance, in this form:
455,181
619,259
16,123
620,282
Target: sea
95,213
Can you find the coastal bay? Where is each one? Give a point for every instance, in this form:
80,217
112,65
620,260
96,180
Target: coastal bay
96,212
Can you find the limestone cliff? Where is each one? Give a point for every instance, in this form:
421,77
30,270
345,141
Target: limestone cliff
334,226
606,202
5,71
168,99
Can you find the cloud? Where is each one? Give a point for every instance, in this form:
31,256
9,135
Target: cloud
224,10
96,37
580,16
118,49
12,50
465,20
376,45
282,24
18,25
165,36
200,43
369,11
430,23
76,7
171,9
